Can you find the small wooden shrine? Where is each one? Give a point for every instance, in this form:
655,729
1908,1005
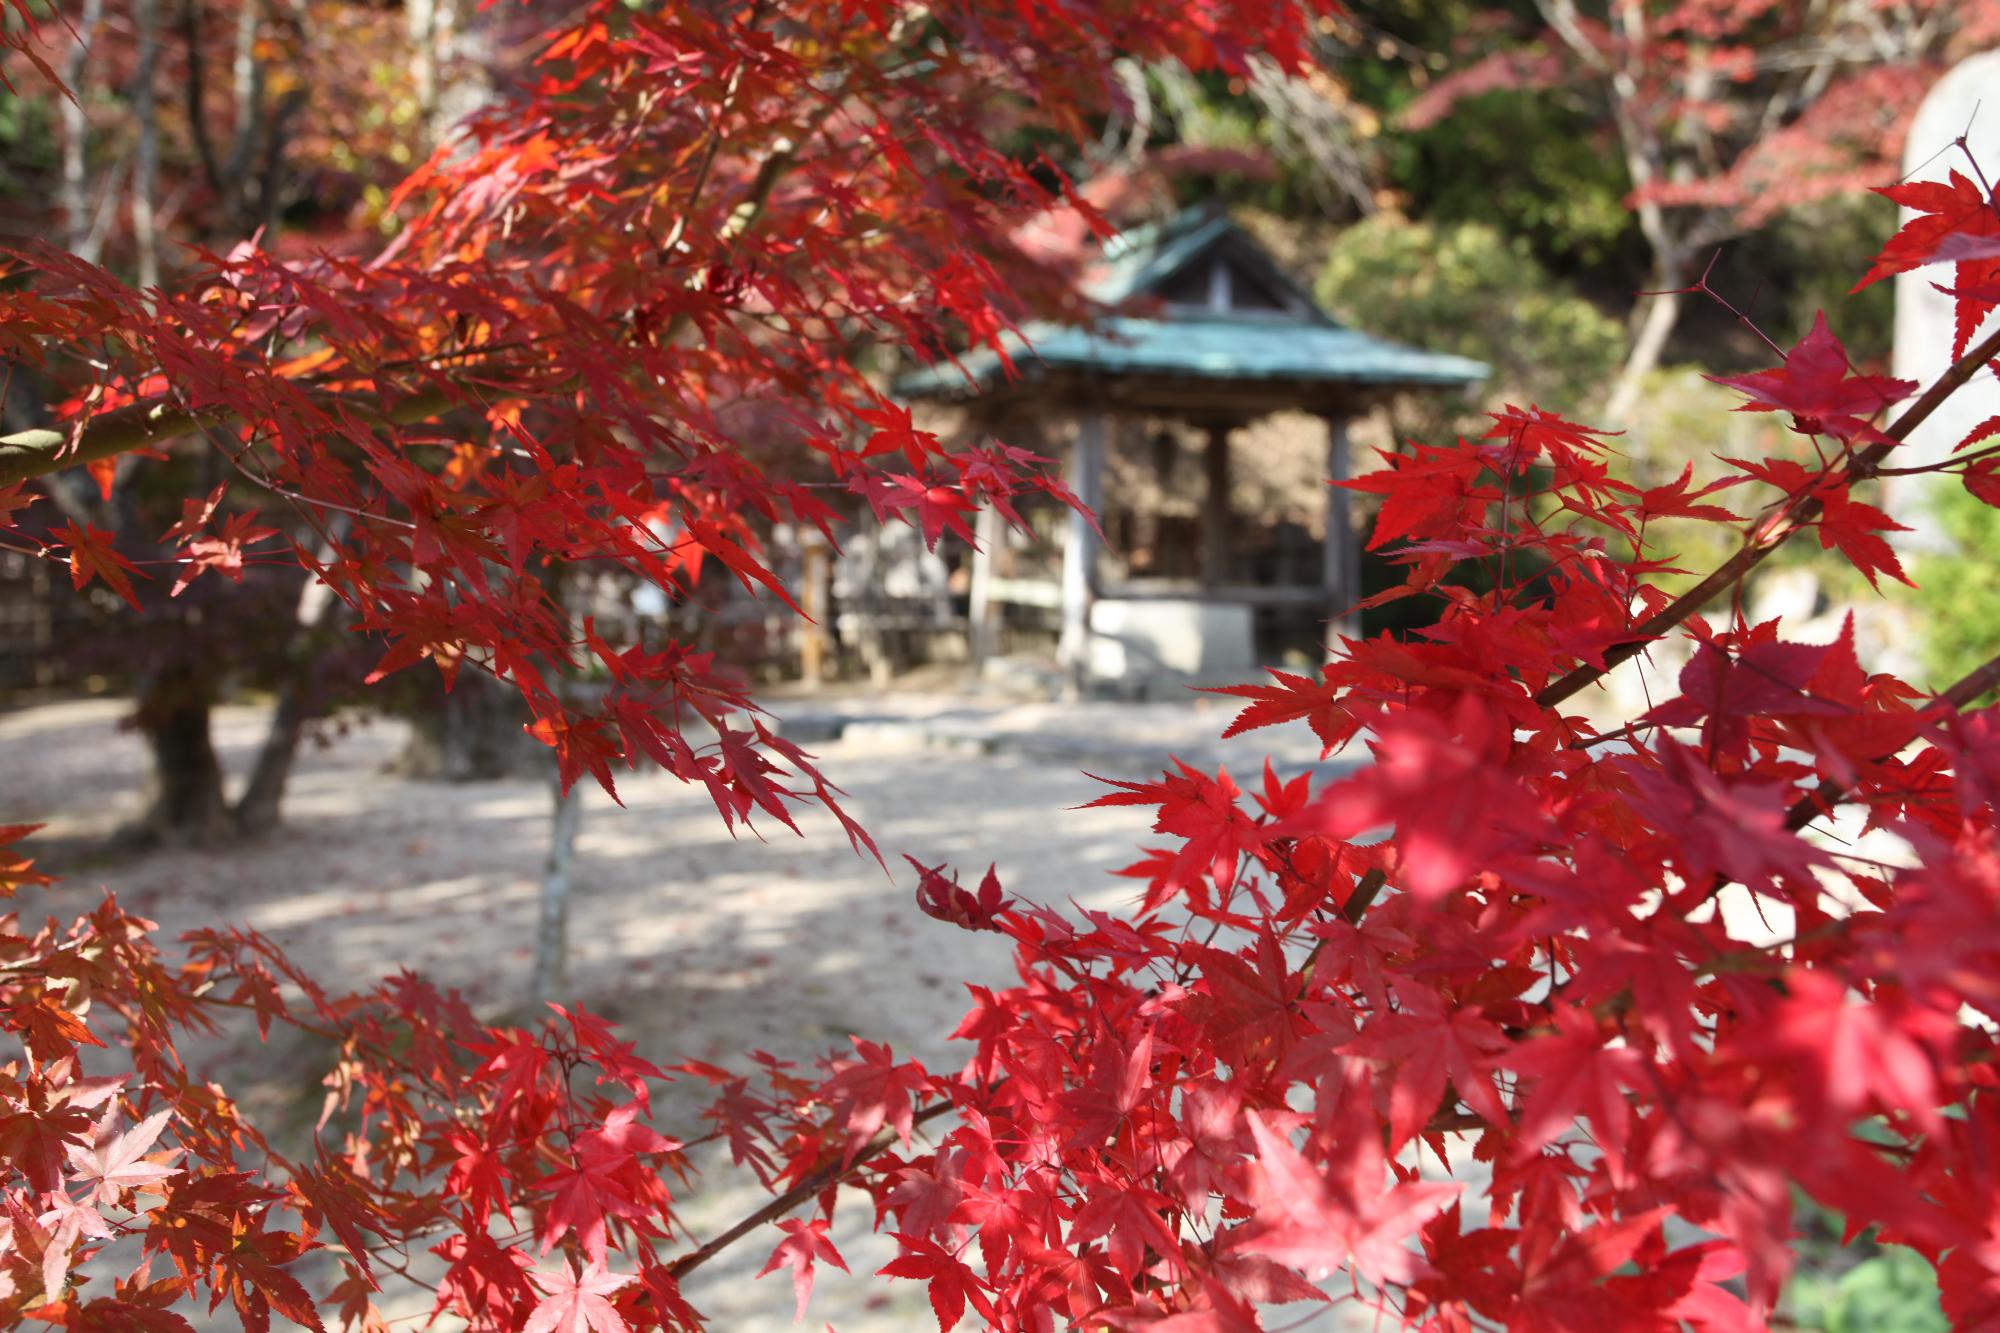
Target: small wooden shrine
1205,333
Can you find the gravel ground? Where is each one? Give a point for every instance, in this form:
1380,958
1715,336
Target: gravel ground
696,943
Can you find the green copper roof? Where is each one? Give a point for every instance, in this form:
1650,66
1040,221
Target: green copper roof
1205,347
1290,339
1138,261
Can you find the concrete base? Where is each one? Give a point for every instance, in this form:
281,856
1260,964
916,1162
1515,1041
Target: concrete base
1138,644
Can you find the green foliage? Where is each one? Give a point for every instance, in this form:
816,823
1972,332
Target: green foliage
27,145
1959,598
1526,163
1801,256
1893,1291
1466,288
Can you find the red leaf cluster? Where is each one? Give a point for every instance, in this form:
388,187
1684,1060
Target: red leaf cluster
1508,937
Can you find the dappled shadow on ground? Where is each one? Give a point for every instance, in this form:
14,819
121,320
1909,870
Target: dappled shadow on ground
698,943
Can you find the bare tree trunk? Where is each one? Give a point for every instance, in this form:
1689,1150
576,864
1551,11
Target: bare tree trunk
75,189
551,975
187,805
146,161
246,83
257,809
1648,163
422,16
1649,339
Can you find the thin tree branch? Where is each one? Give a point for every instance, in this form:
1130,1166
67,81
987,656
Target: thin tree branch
832,1173
1830,793
1797,515
39,451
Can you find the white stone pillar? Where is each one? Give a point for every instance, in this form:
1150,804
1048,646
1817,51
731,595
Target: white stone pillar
1962,102
1080,542
1341,556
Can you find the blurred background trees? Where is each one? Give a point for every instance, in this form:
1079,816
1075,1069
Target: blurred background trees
207,124
1501,180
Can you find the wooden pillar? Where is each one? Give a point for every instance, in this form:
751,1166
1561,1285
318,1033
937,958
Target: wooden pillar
981,639
1215,526
812,635
1079,566
1341,571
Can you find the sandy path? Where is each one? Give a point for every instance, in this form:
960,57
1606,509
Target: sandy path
695,942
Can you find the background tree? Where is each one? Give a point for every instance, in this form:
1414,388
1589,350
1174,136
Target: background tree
1725,116
210,125
1184,1113
1465,288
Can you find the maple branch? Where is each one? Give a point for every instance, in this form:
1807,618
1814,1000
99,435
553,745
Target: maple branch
1366,889
1365,892
38,451
832,1173
1799,513
1802,812
1829,792
1943,465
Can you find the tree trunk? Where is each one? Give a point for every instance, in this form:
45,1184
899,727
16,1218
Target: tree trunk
551,975
257,809
74,193
473,734
1649,339
186,806
146,160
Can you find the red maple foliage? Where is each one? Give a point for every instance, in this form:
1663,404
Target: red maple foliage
1501,935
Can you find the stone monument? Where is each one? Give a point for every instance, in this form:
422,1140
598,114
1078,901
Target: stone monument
1965,101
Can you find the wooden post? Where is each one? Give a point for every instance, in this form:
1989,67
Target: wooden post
980,637
812,634
1079,566
1215,543
1341,571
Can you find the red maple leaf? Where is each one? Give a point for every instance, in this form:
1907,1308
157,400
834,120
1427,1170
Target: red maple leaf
17,871
1453,805
941,896
1425,494
871,1092
1674,500
576,1302
1294,698
1847,1055
1423,1044
805,1243
115,1164
1198,809
939,509
1956,222
1322,1223
951,1282
1818,387
1574,1074
93,555
895,430
1116,1086
1765,679
584,1196
222,552
1852,526
1737,828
